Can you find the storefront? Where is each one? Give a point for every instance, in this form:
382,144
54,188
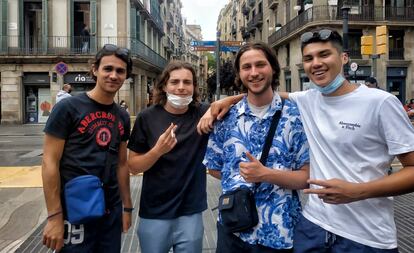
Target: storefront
37,100
80,82
359,76
396,82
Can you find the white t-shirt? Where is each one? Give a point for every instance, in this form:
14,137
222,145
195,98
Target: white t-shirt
354,137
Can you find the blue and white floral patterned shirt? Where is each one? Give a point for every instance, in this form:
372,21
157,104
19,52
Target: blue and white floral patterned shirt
241,131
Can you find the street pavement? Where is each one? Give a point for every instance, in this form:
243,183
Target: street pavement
23,212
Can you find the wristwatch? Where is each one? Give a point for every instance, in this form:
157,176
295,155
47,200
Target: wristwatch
128,209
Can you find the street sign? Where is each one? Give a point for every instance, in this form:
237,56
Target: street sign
210,43
354,66
61,68
229,48
203,48
231,43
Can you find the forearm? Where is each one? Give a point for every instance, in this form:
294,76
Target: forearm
139,163
51,186
284,94
398,183
234,99
215,173
124,185
294,180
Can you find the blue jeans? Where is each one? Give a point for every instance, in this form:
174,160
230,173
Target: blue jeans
183,234
310,238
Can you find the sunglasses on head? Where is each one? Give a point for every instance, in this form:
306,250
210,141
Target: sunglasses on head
111,48
323,35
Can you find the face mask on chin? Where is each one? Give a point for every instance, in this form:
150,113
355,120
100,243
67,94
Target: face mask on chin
332,86
179,102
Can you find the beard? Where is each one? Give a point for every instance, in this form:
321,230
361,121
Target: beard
261,91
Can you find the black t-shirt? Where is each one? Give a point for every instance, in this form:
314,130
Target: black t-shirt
87,128
176,184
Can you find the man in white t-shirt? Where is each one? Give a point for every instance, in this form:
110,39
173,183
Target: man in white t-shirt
354,133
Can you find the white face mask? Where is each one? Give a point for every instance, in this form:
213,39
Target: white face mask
179,102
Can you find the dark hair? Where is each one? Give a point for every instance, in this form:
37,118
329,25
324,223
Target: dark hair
270,56
371,80
110,49
322,35
160,96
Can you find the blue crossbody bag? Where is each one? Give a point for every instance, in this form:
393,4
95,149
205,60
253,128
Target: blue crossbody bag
85,195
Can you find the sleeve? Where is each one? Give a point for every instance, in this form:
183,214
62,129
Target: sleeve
60,122
298,140
138,140
213,158
295,96
396,127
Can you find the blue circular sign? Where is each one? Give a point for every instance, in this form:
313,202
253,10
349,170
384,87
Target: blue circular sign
61,68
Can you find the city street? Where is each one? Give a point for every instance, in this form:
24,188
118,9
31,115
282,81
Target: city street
23,212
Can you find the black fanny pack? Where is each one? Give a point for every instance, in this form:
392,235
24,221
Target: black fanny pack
238,210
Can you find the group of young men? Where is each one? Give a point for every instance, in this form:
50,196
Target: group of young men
335,141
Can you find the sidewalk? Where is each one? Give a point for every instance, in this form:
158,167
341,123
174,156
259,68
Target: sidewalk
22,130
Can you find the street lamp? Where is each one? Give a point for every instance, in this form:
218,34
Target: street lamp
345,10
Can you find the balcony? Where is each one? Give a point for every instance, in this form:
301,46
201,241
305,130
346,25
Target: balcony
233,30
251,2
245,34
272,4
329,14
396,53
168,44
245,10
256,22
71,47
170,20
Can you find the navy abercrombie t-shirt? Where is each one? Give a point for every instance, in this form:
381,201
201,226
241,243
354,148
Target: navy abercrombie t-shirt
176,184
87,128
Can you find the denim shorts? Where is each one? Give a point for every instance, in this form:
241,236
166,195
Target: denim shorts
310,238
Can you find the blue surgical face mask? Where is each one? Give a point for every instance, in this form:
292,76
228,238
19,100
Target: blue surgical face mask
332,87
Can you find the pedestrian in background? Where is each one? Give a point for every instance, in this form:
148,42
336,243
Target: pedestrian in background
371,82
85,37
124,106
64,92
236,144
409,108
77,138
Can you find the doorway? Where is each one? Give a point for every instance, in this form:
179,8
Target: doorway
32,31
396,86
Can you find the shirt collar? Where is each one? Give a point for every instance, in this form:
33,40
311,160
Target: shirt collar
243,106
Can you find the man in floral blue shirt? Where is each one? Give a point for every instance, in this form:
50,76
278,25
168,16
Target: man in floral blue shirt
235,147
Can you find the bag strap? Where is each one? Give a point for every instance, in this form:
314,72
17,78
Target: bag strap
112,149
269,137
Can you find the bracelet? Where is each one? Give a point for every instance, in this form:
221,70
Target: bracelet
128,209
53,215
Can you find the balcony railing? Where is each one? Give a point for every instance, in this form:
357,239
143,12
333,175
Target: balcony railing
255,22
74,46
396,53
330,13
272,4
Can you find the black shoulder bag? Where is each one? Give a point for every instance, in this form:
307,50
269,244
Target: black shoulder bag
238,207
85,196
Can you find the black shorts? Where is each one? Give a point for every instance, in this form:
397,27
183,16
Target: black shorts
102,235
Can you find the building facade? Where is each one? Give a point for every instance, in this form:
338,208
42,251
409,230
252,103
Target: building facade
42,47
281,22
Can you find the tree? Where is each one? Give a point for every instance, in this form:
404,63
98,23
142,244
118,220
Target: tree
227,77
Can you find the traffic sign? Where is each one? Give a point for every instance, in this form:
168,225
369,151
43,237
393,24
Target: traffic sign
231,43
203,48
229,48
210,43
354,66
61,68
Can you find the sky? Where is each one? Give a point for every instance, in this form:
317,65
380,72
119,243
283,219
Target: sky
203,13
